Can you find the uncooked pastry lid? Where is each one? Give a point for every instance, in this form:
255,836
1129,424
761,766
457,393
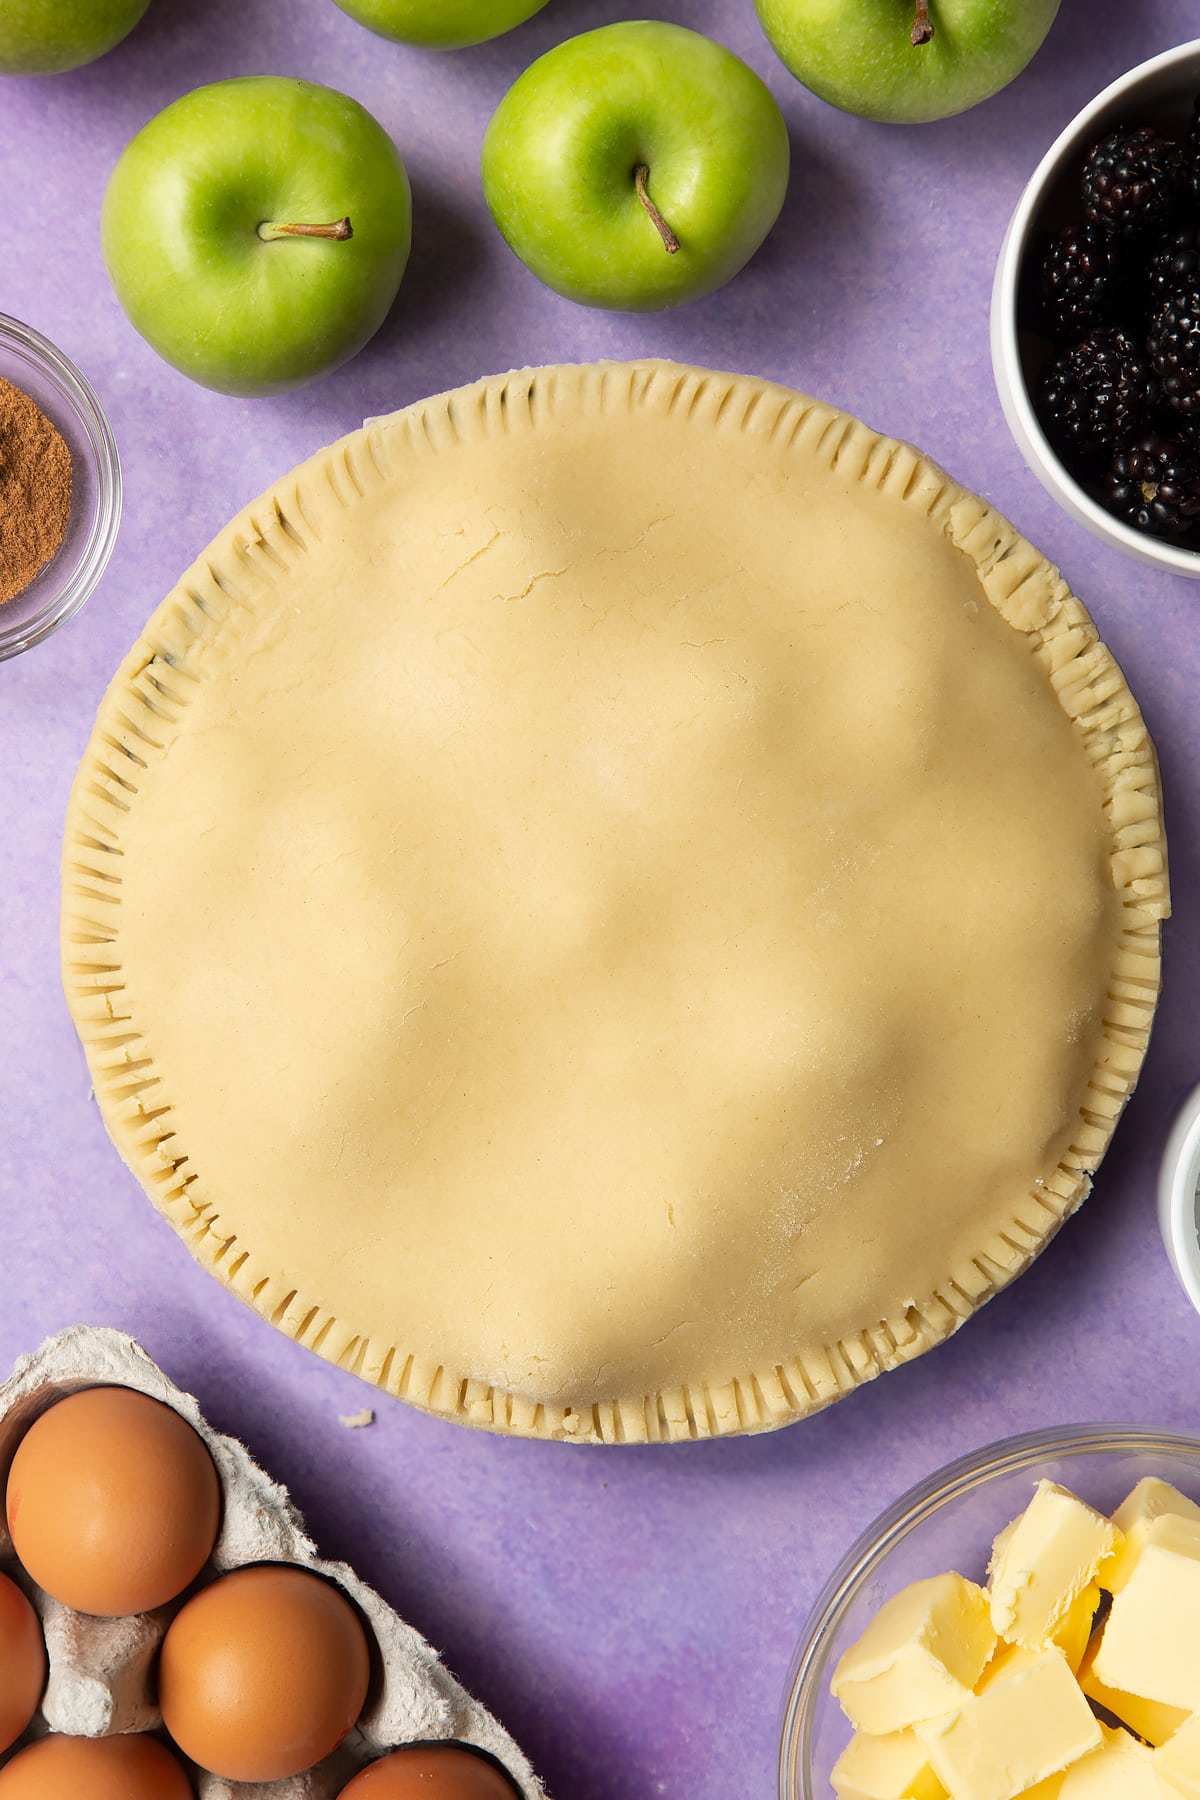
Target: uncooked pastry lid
616,903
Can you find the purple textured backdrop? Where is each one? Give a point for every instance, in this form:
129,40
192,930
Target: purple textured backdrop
629,1614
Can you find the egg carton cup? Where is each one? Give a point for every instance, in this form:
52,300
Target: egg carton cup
101,1671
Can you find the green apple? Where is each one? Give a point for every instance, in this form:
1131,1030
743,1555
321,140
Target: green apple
256,231
636,166
45,37
906,61
441,24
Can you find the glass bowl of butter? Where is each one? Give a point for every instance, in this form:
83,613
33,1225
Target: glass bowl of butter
1025,1622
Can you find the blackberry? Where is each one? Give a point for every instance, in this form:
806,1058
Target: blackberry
1154,485
1132,181
1081,281
1092,397
1173,342
1174,260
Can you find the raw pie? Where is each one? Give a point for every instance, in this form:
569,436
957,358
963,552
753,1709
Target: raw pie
616,903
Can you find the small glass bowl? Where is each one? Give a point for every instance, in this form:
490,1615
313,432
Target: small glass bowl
32,363
1161,93
949,1522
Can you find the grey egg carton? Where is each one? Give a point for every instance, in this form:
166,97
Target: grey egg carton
101,1671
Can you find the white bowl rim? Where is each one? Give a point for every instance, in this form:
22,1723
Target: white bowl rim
1006,360
976,1468
1178,1186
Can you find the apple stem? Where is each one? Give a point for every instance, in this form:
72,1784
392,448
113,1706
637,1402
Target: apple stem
340,229
670,241
922,29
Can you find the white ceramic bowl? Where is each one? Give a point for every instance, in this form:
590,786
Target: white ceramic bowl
948,1522
1160,93
1179,1198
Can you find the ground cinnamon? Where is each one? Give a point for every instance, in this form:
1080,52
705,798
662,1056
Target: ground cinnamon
35,490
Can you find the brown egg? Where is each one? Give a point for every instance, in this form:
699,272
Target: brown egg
263,1673
22,1662
430,1772
113,1502
76,1768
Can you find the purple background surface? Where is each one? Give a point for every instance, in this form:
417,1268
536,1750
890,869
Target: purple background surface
629,1614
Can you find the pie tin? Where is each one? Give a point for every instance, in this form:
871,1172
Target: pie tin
1159,92
948,1521
31,362
1179,1198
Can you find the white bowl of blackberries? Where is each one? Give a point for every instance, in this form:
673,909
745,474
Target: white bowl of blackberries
1096,315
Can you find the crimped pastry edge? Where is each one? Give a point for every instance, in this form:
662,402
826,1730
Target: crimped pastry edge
253,553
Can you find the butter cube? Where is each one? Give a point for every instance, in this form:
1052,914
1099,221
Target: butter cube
1177,1763
1042,1563
1074,1631
1121,1769
894,1767
1148,1646
1150,1499
1149,1718
1050,1789
1005,1659
1072,1637
920,1655
1028,1724
1001,1541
